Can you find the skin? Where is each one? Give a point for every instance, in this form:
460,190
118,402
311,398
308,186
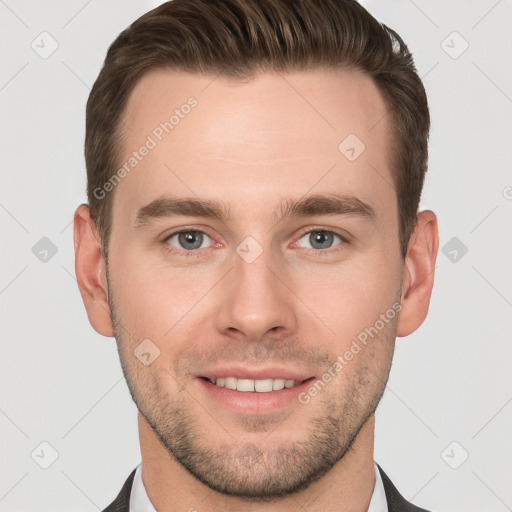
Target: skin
249,146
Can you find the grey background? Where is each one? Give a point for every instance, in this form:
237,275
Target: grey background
450,391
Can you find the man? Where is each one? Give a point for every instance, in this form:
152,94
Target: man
253,242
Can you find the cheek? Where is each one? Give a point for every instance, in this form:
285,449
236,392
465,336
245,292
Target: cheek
351,296
154,300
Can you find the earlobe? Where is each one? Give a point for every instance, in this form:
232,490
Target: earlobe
418,278
90,272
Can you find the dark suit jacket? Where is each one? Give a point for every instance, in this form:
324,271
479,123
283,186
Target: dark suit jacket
396,502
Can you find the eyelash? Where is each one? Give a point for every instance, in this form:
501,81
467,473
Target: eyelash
193,253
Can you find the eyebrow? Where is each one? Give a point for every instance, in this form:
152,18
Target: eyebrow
314,205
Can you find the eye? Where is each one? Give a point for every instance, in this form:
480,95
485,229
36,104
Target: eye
321,239
188,240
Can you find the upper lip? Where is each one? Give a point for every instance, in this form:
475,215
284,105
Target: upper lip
244,372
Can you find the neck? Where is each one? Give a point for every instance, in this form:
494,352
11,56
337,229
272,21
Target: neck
348,486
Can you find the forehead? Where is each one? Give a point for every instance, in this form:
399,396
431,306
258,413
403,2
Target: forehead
278,134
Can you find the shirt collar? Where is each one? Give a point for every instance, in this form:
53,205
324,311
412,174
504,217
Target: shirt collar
139,500
378,503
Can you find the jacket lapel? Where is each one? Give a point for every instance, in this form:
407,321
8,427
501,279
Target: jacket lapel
396,502
122,502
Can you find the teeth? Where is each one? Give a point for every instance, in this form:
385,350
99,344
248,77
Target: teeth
230,382
263,386
259,386
278,384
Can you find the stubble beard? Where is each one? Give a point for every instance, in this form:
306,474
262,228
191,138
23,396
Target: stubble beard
255,471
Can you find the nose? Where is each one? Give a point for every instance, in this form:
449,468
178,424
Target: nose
255,303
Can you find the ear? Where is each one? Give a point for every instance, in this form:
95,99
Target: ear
418,277
90,271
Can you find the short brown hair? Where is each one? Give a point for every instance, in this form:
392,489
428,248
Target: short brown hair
239,38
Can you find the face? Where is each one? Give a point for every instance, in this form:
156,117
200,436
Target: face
255,246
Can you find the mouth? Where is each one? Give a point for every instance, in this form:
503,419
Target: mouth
254,391
255,385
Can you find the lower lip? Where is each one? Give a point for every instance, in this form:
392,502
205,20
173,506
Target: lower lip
253,402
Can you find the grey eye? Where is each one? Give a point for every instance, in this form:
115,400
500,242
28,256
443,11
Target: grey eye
189,240
320,239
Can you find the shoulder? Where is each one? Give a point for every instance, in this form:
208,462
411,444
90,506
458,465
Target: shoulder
122,502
